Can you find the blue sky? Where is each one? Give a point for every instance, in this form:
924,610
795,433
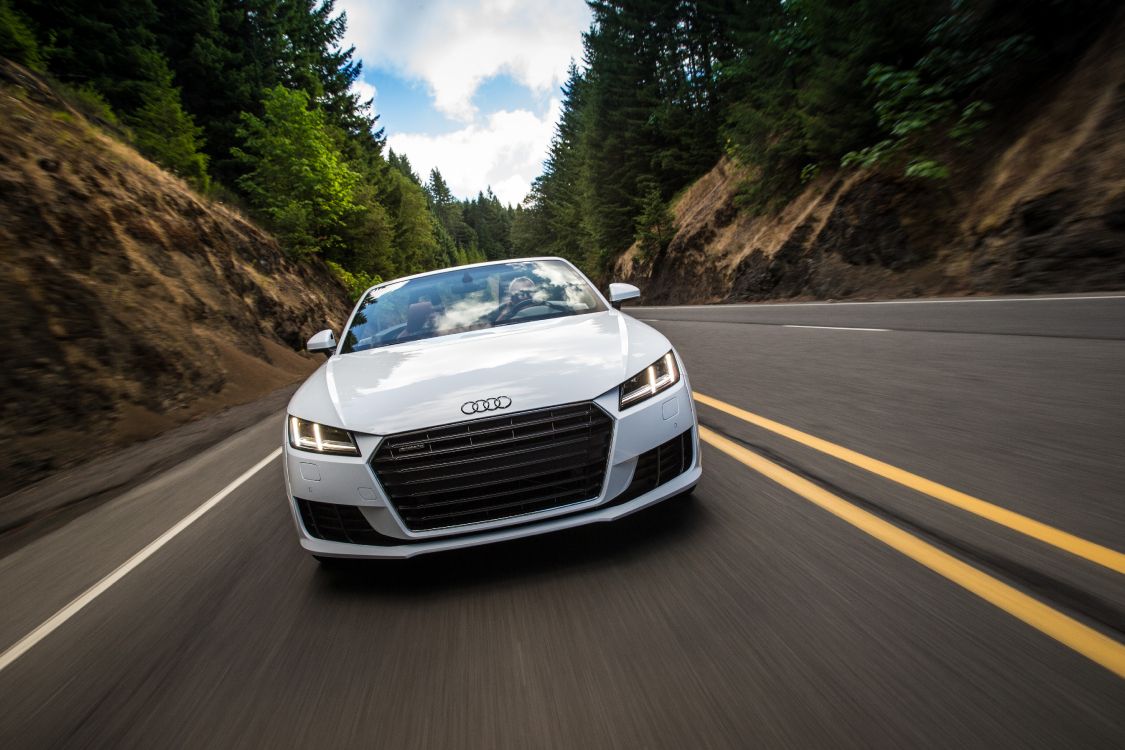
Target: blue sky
406,106
471,86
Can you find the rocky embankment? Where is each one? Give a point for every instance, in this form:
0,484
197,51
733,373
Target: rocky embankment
1038,206
128,303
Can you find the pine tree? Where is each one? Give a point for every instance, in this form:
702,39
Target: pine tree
164,131
17,40
655,225
295,174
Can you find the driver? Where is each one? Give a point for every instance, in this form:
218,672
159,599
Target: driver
521,293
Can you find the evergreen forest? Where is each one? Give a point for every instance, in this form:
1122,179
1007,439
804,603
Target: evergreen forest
251,101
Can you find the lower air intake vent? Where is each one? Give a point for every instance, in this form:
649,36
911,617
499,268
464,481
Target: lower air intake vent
659,465
496,467
340,523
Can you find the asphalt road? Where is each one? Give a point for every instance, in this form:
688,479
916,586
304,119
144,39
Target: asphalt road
746,616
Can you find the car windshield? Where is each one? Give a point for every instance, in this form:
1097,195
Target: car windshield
468,299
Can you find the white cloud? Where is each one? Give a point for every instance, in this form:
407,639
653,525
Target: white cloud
365,90
506,152
454,46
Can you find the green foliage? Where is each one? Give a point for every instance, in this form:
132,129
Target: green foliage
93,106
108,45
491,223
644,110
415,238
971,54
469,231
400,163
796,84
784,88
448,212
357,283
973,119
368,232
656,226
909,109
226,54
560,216
927,169
296,177
906,105
108,58
164,131
529,228
17,41
258,94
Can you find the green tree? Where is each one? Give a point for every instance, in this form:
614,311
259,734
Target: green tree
415,245
295,175
219,69
644,111
17,40
456,235
401,163
109,48
974,57
622,49
562,194
529,229
655,225
491,224
441,198
260,94
163,130
794,86
368,233
103,44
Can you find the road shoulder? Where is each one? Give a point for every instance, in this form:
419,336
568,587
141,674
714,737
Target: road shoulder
30,513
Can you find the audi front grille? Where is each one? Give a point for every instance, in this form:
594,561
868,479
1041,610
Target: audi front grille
496,467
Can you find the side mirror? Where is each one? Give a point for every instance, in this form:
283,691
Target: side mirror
618,293
324,342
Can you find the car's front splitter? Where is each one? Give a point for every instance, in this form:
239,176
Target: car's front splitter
676,486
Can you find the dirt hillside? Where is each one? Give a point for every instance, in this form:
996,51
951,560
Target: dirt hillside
1038,206
128,303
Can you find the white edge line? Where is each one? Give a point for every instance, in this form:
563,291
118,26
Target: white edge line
951,300
28,641
837,328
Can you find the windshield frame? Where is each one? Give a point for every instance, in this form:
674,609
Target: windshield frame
601,304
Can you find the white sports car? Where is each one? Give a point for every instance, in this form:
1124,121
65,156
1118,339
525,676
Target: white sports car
484,403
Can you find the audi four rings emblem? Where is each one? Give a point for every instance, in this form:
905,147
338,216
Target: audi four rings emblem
486,404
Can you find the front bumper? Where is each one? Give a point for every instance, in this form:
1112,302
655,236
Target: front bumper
351,481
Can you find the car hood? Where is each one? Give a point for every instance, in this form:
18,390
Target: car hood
424,383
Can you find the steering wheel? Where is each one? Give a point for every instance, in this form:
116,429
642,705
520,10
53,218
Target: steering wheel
512,309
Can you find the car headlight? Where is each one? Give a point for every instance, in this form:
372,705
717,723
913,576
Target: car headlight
318,438
659,376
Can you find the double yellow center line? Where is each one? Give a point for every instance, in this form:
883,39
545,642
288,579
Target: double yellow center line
1082,638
